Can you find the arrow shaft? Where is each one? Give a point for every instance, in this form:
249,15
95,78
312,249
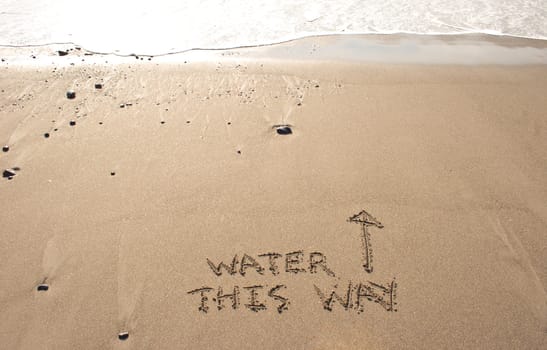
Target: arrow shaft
367,249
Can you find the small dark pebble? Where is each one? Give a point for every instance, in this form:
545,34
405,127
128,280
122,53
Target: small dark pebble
9,173
70,94
100,123
112,173
43,287
229,123
72,122
123,335
238,152
62,53
299,104
55,129
284,130
46,135
316,86
122,105
187,122
98,86
162,122
5,148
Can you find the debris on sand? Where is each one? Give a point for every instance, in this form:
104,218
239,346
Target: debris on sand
98,86
284,129
72,122
70,94
5,148
42,287
123,335
9,173
62,53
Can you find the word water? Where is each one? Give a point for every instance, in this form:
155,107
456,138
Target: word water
293,262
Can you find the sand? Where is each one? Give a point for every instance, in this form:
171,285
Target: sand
171,169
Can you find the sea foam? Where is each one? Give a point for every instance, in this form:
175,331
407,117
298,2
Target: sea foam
163,26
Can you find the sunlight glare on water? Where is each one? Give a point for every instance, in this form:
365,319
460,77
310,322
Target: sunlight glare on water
161,26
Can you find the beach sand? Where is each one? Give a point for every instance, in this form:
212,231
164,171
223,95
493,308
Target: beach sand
170,169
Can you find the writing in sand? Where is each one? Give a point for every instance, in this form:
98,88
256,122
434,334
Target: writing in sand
259,297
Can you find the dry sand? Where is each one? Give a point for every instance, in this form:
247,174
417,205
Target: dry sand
120,213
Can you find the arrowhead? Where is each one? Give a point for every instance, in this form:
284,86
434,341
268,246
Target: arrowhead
365,218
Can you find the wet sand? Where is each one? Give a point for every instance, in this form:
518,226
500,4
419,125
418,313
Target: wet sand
143,186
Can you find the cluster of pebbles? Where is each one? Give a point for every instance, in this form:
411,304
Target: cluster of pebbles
281,129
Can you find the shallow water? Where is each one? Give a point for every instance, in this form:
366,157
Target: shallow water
162,26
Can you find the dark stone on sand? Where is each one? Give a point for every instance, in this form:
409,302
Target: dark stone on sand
70,94
5,148
72,122
162,122
62,53
8,173
46,135
238,152
112,173
284,130
123,335
122,105
98,86
43,287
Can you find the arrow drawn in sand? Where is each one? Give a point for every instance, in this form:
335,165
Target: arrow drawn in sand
365,220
